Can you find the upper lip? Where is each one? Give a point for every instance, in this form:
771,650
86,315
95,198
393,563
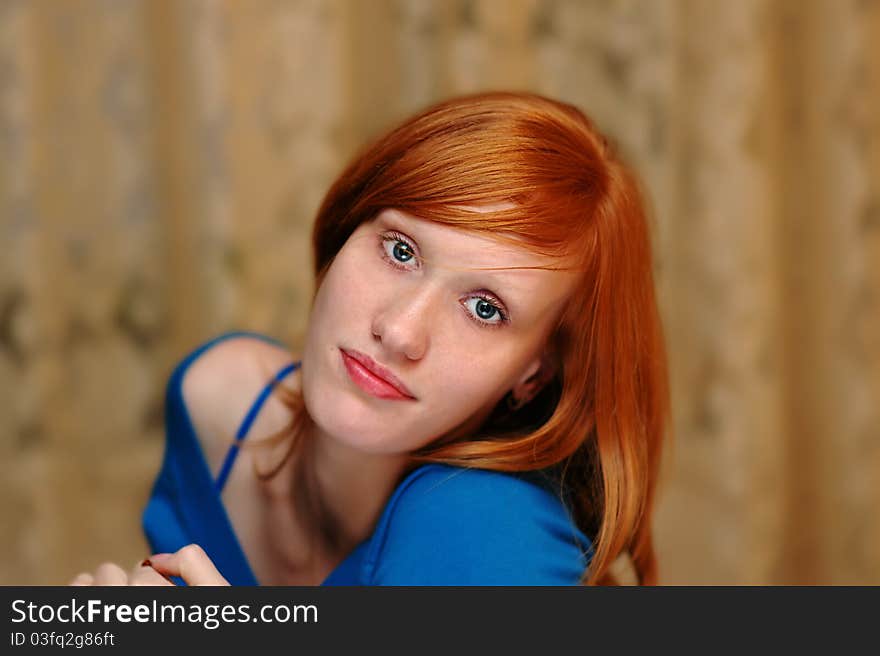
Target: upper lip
379,371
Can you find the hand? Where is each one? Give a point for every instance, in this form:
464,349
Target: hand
112,574
190,563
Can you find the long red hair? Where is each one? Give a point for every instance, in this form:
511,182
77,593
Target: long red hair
601,423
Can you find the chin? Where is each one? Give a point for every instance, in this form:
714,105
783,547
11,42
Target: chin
352,421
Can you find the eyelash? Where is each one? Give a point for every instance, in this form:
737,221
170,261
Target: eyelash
397,237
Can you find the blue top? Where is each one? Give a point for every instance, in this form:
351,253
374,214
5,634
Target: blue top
442,525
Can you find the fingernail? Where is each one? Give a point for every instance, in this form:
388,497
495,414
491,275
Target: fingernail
146,563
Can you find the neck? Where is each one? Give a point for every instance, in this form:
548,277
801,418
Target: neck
353,485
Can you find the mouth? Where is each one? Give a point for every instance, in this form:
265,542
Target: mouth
373,378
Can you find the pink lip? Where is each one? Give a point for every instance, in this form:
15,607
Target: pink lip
373,377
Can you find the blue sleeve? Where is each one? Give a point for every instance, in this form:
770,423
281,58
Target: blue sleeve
455,526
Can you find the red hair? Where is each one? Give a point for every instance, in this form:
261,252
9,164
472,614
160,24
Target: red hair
601,422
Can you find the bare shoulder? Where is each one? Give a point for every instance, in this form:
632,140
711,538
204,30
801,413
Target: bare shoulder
221,385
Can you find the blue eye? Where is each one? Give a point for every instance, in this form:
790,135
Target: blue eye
402,252
485,311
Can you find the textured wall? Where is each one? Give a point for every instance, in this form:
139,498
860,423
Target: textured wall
160,164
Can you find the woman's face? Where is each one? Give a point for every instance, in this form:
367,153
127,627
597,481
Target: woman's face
405,293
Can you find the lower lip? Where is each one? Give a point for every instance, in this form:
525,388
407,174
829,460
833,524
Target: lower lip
369,382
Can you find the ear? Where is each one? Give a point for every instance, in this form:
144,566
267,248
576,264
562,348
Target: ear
539,372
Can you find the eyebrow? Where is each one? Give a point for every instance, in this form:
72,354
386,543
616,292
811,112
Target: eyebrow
394,226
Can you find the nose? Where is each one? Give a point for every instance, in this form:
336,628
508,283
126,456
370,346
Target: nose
403,324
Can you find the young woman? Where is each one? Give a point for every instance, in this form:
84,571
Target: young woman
482,394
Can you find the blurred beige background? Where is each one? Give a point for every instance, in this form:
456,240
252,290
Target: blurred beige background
160,164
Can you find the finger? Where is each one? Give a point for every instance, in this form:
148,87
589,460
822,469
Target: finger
83,578
144,574
190,563
110,574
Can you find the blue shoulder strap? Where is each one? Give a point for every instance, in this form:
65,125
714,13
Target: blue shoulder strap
246,425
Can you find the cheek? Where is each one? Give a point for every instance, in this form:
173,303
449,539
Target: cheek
464,382
341,300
